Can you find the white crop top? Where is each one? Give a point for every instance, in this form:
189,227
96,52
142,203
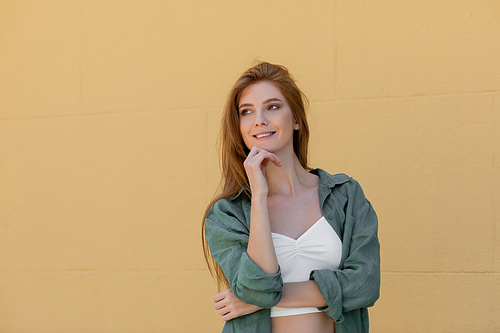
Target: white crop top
319,247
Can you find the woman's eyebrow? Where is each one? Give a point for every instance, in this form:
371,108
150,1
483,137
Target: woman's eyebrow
274,99
244,105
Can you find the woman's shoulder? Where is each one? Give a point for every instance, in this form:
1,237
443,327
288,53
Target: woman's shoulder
341,182
233,207
332,180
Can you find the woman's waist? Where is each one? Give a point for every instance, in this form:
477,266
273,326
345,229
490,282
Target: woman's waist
317,322
281,312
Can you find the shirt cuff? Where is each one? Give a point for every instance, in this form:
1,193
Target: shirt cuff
330,289
254,286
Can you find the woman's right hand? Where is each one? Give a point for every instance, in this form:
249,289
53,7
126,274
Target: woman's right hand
255,166
230,307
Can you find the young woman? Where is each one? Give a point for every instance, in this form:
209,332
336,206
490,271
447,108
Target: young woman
296,249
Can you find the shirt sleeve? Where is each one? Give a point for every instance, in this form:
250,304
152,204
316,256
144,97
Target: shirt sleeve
357,284
227,239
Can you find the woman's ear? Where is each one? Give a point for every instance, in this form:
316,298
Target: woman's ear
296,125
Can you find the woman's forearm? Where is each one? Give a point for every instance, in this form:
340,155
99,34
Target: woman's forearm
260,244
301,294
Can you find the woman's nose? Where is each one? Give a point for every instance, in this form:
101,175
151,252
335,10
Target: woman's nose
260,119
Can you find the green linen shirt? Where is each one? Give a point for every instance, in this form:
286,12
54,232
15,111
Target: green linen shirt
348,291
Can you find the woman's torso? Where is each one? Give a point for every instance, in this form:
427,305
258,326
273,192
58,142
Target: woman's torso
292,217
310,323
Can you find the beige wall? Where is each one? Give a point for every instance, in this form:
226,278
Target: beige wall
109,112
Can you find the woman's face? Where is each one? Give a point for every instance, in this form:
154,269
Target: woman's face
266,120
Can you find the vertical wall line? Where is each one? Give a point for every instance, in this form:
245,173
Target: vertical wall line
80,111
495,108
496,124
81,58
336,50
207,154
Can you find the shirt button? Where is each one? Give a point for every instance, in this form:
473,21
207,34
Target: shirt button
330,217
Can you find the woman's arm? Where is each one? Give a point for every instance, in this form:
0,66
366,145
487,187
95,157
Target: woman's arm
227,237
295,295
260,248
260,244
357,284
243,250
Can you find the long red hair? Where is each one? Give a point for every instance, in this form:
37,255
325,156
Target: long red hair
233,151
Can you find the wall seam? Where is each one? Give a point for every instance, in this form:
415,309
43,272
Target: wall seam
496,237
424,95
81,58
82,275
442,273
207,149
82,301
492,273
108,113
336,50
96,271
209,108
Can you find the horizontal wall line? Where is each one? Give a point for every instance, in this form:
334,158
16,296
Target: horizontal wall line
111,113
206,271
440,273
406,96
220,107
106,271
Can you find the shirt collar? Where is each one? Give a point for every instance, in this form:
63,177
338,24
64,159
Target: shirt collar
324,178
330,180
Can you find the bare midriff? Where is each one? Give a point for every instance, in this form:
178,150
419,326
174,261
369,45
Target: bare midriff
310,322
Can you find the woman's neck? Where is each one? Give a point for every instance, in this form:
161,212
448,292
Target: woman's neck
289,178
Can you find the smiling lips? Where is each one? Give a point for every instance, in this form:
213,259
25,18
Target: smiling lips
263,135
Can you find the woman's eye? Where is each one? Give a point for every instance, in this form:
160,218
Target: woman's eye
273,107
245,112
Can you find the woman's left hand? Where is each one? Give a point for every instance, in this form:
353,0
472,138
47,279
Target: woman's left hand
230,307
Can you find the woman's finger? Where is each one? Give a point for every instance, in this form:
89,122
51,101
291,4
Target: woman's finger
219,305
254,151
258,155
218,297
228,316
222,295
224,311
275,160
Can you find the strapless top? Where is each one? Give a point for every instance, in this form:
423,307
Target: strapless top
319,247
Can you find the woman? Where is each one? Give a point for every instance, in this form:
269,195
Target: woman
296,248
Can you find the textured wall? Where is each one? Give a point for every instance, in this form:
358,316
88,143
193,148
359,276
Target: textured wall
109,112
